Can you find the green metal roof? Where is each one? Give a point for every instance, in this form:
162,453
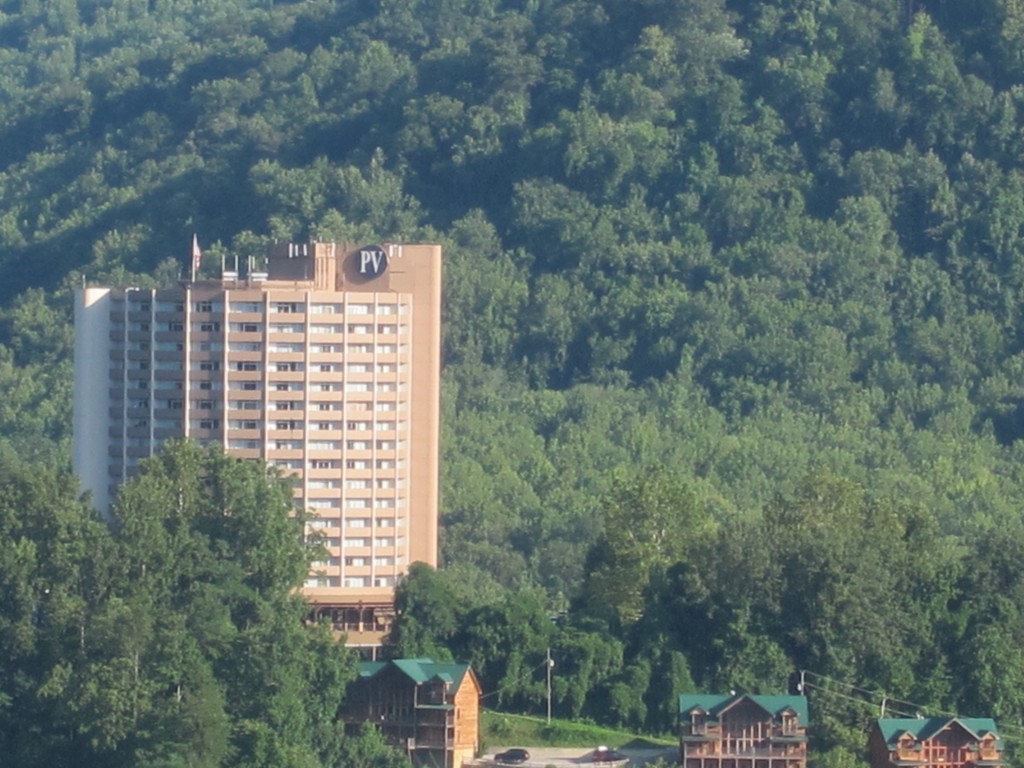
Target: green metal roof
922,728
714,704
370,668
418,670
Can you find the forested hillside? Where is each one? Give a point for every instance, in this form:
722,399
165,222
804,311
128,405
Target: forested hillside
768,254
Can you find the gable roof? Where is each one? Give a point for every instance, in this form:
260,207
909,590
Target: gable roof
923,728
418,670
716,704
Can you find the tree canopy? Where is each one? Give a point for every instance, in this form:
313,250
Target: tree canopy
774,248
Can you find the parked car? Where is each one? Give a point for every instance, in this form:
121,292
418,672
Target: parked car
512,757
607,755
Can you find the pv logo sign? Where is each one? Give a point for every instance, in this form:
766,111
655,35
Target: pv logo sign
372,261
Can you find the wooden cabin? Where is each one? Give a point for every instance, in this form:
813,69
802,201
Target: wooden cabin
742,731
431,710
935,742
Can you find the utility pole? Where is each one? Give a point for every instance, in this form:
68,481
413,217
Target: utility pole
549,664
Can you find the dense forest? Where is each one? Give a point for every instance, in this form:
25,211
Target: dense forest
734,307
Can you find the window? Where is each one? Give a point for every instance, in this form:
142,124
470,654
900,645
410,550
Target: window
209,424
358,368
359,522
204,306
288,367
387,309
285,307
789,722
209,327
328,368
246,306
250,386
698,721
357,503
319,485
175,326
324,445
356,328
246,327
322,464
247,365
204,405
245,346
384,581
357,445
209,365
387,328
351,543
355,561
357,464
356,581
324,309
359,309
287,405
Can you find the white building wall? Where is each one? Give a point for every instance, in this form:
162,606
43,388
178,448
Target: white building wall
91,420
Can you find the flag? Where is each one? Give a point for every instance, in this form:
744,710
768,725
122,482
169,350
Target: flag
197,256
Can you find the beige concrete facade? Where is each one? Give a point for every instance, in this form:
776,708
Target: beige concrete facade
325,364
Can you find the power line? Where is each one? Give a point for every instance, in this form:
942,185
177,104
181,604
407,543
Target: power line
884,700
522,677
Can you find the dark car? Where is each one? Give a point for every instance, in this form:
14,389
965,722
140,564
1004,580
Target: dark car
512,757
606,755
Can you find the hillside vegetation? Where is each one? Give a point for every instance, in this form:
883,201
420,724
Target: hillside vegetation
734,342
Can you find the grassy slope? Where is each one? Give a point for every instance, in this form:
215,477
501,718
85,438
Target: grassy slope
525,730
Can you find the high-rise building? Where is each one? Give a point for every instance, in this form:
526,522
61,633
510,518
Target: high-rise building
324,362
